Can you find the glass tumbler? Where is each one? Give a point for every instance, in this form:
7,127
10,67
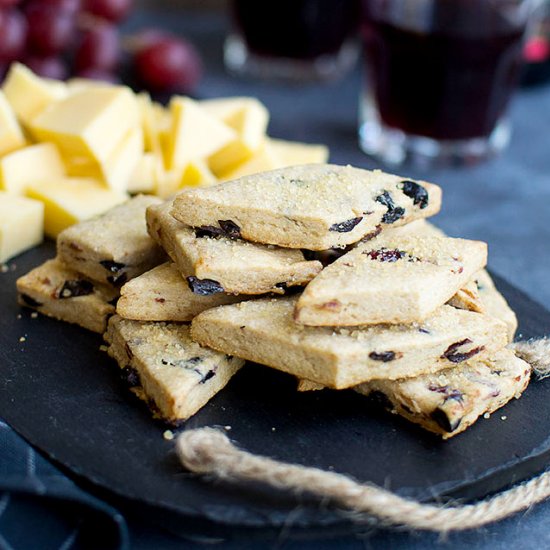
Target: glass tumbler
439,78
293,40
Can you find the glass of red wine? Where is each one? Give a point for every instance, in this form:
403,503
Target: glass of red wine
293,40
439,78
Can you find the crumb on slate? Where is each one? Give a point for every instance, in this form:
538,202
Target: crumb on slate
487,415
22,339
168,435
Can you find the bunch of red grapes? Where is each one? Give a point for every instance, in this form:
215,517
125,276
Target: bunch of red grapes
62,38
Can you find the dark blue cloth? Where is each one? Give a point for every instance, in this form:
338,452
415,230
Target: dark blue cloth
42,508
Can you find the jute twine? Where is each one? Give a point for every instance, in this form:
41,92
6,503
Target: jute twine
209,451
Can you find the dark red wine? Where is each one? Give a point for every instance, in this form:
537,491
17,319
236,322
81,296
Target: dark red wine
448,75
297,29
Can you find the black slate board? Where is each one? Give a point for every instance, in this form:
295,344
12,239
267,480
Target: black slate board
63,395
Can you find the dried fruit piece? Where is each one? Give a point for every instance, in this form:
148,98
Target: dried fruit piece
391,216
449,393
384,356
230,228
456,357
204,287
442,420
210,374
208,231
346,226
394,213
386,199
113,267
416,192
130,377
75,288
385,255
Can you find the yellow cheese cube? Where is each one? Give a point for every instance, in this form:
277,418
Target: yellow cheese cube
21,225
196,174
167,182
162,117
193,133
250,122
25,166
155,121
294,152
116,171
28,94
142,179
145,106
121,163
78,84
89,123
71,200
265,159
82,167
11,135
277,153
224,108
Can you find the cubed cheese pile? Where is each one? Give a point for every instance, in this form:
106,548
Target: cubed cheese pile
81,147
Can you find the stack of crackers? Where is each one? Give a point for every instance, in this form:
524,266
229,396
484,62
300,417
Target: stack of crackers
328,273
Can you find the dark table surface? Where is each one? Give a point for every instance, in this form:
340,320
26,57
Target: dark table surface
505,202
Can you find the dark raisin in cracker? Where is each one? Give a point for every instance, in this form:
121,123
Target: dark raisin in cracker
394,213
113,267
210,374
416,192
456,357
384,356
75,288
385,255
345,226
204,287
130,376
230,228
443,421
208,231
391,216
449,393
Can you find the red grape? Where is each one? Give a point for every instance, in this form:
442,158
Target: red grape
8,3
50,31
167,63
67,6
13,33
99,74
48,67
99,48
112,10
